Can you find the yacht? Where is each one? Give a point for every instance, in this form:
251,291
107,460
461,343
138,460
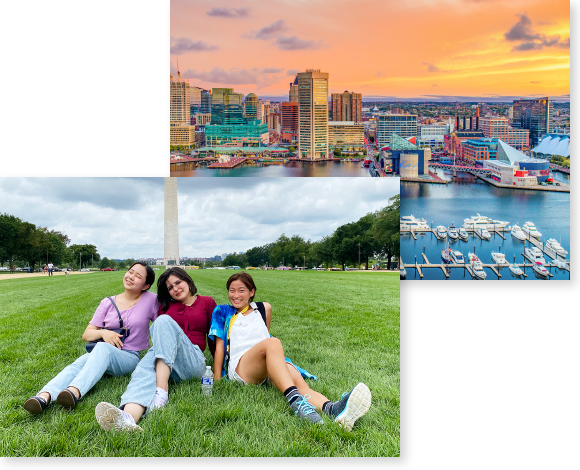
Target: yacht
553,245
452,231
441,231
483,222
518,233
540,270
516,271
478,271
457,257
446,255
483,233
472,257
403,272
408,222
463,234
531,230
499,258
534,255
562,263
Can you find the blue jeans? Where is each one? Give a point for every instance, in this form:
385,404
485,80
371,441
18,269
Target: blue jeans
50,272
173,347
88,369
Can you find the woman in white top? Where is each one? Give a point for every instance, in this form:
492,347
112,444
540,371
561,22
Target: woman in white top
244,346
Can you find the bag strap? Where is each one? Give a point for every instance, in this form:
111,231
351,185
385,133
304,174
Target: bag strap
262,311
118,313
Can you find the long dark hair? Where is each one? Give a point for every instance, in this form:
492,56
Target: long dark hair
163,295
150,277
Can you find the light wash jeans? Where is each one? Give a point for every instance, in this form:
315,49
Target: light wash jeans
171,345
88,369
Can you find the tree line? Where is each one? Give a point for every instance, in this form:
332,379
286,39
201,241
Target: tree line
374,235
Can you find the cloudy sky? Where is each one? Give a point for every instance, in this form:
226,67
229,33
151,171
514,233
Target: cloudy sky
420,48
123,217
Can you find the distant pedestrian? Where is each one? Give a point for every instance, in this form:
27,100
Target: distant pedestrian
66,271
50,268
45,269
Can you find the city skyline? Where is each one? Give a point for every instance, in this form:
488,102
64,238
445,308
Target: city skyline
452,49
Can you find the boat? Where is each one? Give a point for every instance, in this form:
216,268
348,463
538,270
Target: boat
472,257
518,233
441,231
403,272
499,258
534,255
457,257
452,231
562,263
483,233
408,222
540,270
483,222
531,230
446,255
463,234
476,266
553,245
516,271
367,162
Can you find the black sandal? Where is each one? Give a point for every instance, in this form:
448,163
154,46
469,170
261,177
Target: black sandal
67,399
35,405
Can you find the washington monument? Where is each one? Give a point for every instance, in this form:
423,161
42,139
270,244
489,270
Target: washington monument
171,234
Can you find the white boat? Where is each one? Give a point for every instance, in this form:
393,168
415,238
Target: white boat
463,234
553,245
534,255
540,269
531,230
441,231
499,258
481,221
562,263
472,257
446,255
518,233
516,271
478,271
403,272
483,233
452,231
457,257
408,222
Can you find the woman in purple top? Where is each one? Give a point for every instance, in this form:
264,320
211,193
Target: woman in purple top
110,355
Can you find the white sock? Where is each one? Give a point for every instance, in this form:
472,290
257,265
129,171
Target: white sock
160,398
128,417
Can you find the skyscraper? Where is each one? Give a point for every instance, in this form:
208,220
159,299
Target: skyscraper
195,99
251,107
290,122
293,92
404,125
313,114
226,106
205,107
347,107
179,108
534,115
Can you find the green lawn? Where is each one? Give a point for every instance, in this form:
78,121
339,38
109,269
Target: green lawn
342,327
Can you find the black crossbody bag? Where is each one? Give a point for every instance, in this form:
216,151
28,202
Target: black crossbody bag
122,331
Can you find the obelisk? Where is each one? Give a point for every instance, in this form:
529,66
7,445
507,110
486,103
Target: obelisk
171,226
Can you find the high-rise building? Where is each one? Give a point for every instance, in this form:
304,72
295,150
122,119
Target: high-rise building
404,125
179,108
293,92
251,107
498,128
347,107
534,115
346,135
290,122
226,106
313,114
205,107
195,99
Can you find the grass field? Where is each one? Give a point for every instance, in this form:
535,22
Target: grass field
342,327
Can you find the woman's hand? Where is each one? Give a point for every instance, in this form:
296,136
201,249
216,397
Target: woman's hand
112,338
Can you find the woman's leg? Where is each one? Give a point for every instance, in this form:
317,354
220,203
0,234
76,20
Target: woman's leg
141,389
317,399
63,379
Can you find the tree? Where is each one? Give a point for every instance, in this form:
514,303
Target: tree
13,231
85,253
386,227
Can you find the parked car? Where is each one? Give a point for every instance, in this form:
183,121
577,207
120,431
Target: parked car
105,269
4,268
85,270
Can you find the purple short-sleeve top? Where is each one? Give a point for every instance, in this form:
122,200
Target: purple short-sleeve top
136,318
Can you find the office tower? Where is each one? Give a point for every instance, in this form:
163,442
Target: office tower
205,107
404,125
226,106
293,94
179,108
313,114
534,115
290,122
251,107
171,225
347,107
195,99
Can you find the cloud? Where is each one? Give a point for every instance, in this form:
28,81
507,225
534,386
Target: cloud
379,73
434,85
273,70
229,12
235,76
268,32
185,45
531,40
292,72
434,69
535,82
294,43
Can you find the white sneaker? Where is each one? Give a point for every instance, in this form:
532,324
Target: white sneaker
111,418
160,399
354,405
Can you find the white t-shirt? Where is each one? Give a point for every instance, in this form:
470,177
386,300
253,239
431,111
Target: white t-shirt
50,266
247,331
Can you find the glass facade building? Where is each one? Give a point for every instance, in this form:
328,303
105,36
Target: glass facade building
313,114
241,135
227,106
404,125
534,115
251,107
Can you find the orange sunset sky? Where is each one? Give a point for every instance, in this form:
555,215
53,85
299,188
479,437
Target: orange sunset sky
421,49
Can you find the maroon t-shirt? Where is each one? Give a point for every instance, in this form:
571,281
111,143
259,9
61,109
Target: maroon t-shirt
195,320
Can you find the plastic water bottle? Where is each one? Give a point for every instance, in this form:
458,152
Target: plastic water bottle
207,382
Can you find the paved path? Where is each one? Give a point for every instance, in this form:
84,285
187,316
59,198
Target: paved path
25,274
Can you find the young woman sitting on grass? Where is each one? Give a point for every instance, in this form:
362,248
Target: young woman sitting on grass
179,338
137,308
246,352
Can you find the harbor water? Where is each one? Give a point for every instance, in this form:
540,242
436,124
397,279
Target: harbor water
299,169
466,196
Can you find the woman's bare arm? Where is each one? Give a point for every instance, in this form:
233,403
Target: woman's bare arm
218,358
